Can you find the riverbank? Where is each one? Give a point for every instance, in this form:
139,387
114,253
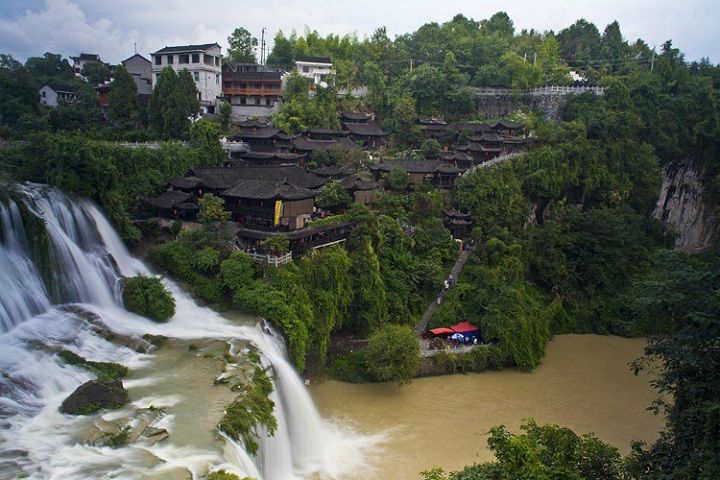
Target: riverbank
584,383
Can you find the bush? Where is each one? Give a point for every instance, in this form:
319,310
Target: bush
149,297
351,368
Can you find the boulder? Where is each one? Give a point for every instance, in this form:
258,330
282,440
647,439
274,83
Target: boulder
94,395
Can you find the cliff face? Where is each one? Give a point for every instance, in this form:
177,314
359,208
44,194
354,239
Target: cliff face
503,103
685,207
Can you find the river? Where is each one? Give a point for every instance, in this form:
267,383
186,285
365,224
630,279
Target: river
583,383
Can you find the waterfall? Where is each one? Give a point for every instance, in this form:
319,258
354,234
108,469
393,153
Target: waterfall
73,302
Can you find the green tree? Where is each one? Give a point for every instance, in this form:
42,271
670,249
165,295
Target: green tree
173,102
543,453
684,293
430,149
212,210
123,99
282,52
334,197
397,179
368,309
149,297
204,136
393,354
241,46
404,118
96,73
18,91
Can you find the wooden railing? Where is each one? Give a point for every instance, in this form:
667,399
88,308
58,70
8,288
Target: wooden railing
275,260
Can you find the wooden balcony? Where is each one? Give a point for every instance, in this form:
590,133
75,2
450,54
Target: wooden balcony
262,91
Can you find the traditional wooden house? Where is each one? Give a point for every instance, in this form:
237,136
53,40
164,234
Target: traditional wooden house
363,129
276,158
267,204
433,128
252,89
266,139
457,222
172,204
361,191
304,144
439,174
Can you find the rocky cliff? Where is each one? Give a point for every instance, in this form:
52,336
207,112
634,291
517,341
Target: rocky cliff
685,206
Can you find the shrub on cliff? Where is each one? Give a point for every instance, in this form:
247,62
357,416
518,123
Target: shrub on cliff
148,296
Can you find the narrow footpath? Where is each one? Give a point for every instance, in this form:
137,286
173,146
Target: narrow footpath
455,272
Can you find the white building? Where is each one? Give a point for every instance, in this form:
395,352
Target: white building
319,69
80,61
204,62
53,95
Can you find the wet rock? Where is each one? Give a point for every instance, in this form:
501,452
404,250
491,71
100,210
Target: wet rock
94,395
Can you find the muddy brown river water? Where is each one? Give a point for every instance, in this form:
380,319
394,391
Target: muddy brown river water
584,383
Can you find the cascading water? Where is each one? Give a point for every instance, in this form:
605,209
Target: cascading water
71,301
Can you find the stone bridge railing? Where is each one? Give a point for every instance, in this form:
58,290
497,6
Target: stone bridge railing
547,90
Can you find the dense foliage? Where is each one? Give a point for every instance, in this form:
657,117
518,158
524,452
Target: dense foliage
563,237
541,452
149,297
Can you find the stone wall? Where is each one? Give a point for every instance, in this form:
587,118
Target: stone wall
500,104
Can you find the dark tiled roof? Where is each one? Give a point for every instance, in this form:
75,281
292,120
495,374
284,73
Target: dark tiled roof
292,235
272,155
487,138
506,125
456,214
410,166
431,120
303,58
253,124
136,55
185,183
455,155
327,171
370,129
354,183
260,133
305,144
476,147
417,166
324,131
88,57
187,48
268,190
221,178
355,116
168,200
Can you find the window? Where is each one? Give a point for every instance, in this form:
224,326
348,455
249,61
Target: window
158,60
217,79
43,93
243,101
209,60
196,76
306,69
217,61
184,58
169,59
195,58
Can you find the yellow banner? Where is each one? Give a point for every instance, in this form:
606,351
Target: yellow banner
278,211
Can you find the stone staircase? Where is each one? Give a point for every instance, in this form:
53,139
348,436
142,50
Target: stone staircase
455,272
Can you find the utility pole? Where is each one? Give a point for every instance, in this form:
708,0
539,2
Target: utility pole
652,61
262,46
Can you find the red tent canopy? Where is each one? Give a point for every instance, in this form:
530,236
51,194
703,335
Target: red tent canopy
464,327
441,331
